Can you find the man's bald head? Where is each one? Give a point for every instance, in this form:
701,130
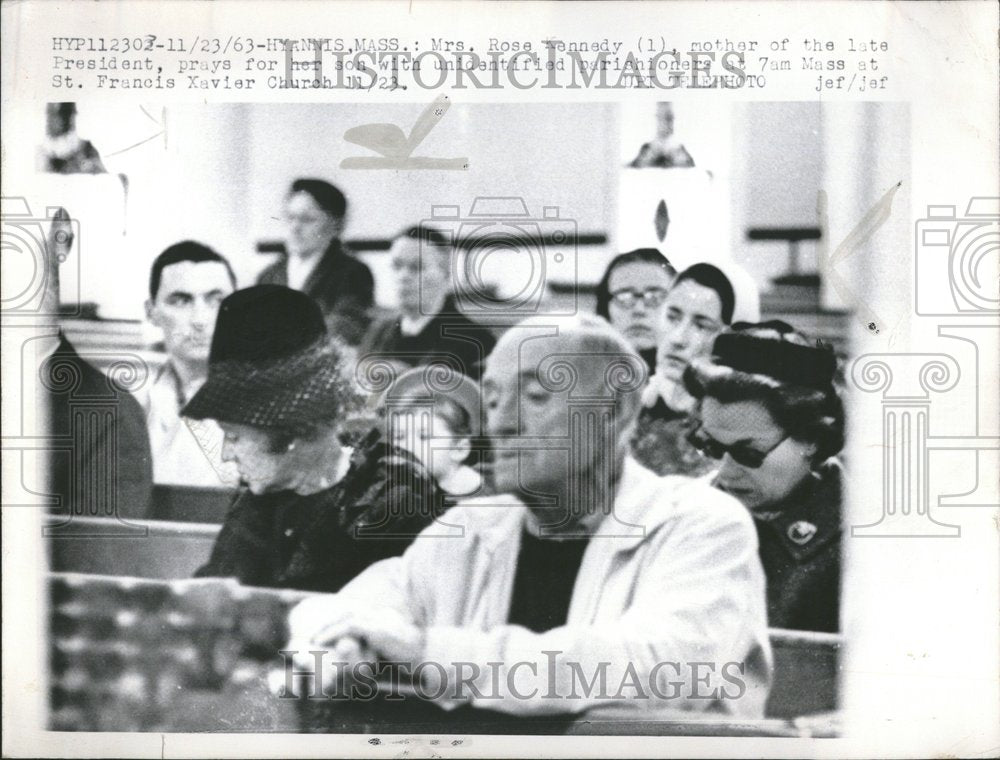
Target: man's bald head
587,331
600,354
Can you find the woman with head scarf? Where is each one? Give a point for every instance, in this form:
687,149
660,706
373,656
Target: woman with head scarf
630,296
770,418
702,301
312,513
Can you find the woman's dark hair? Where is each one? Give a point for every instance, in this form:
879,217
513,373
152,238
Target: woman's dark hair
327,197
638,256
712,277
792,377
434,244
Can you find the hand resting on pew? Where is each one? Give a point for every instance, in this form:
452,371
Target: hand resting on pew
351,638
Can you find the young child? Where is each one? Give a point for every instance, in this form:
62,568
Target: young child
437,422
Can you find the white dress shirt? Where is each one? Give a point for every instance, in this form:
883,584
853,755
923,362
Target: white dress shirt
185,452
299,270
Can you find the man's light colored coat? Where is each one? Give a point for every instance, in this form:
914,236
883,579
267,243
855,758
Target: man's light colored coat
669,605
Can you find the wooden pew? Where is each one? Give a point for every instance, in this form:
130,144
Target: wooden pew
806,673
191,504
147,549
806,664
94,612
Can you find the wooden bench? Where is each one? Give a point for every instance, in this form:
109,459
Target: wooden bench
191,504
806,665
806,673
146,549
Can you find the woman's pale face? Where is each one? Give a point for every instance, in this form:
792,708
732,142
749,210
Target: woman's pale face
249,448
310,228
694,319
641,323
748,425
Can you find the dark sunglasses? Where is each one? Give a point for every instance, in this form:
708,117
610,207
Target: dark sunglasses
740,453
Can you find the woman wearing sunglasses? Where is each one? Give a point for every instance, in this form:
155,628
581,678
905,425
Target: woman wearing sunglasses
769,414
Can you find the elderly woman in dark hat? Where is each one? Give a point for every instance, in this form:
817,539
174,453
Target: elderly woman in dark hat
313,513
769,414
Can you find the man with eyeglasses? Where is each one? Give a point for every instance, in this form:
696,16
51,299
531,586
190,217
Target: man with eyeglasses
429,327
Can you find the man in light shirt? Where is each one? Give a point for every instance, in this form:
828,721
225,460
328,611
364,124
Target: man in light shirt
187,283
588,582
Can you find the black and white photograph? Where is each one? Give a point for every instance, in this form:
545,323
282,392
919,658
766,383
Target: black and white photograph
412,419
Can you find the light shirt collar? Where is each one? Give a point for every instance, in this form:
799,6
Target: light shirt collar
414,325
168,376
299,270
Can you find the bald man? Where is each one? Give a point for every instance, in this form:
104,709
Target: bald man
589,582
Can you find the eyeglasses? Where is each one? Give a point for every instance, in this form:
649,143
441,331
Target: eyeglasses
740,453
651,298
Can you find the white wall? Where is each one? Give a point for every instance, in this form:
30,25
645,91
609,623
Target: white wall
219,174
550,155
777,170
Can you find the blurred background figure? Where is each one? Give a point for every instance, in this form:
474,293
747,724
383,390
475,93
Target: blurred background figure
316,262
187,283
313,513
631,297
64,151
770,416
702,301
429,326
435,414
99,456
665,151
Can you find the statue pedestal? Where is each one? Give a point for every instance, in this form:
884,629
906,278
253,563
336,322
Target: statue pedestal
682,212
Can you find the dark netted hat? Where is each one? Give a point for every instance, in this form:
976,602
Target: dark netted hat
272,364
